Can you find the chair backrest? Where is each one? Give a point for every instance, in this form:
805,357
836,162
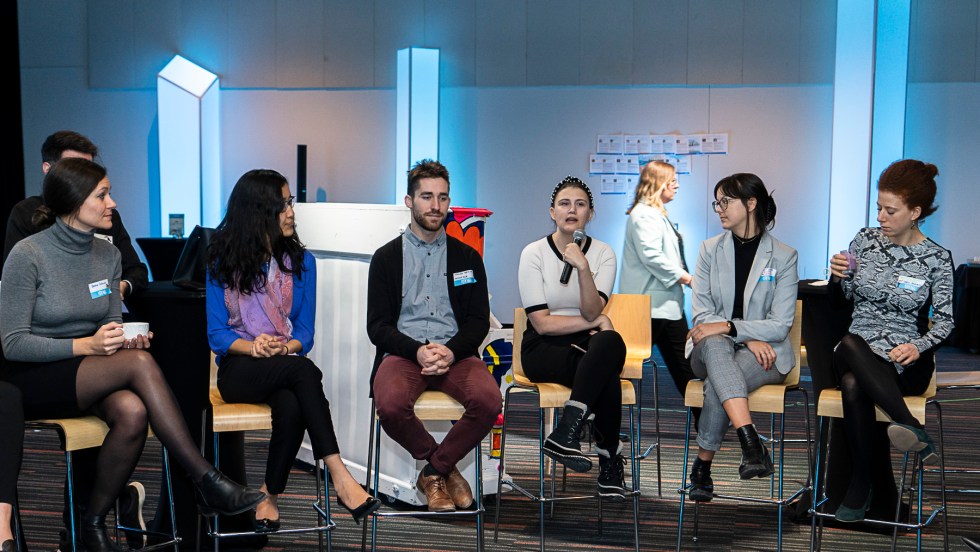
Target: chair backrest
520,324
796,341
630,315
213,394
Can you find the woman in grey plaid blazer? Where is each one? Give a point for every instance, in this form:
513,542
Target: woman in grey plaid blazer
744,302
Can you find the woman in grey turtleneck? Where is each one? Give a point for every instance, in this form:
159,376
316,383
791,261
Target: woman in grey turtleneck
60,323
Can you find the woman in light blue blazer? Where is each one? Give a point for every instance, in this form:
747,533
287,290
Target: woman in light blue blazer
653,264
744,302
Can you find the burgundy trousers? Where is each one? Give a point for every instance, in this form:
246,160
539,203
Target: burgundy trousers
397,386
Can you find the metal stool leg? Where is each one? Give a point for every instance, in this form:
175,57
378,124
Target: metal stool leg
71,502
500,466
683,488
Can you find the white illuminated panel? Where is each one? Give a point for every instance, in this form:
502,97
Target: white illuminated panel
891,85
850,155
417,112
188,110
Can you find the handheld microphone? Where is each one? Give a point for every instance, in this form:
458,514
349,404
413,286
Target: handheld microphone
578,237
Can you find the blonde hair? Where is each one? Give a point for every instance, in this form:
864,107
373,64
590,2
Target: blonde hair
654,178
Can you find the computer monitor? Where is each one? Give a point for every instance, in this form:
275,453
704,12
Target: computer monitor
161,255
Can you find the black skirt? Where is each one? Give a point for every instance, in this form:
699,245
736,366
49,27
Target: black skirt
48,388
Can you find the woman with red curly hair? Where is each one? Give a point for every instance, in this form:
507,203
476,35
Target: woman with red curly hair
896,275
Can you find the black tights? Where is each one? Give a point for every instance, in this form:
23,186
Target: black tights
870,380
128,389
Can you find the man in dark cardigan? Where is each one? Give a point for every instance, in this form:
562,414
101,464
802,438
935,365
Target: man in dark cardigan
428,311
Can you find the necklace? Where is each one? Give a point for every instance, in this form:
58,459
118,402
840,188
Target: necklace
747,240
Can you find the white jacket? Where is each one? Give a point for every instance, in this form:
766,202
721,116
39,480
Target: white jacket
652,262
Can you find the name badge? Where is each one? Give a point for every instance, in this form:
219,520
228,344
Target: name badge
910,283
99,289
463,278
768,275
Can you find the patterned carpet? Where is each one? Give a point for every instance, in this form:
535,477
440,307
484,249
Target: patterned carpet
722,526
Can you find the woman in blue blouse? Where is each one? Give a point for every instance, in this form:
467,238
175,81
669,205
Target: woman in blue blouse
261,304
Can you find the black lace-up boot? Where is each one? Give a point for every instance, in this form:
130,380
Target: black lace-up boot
563,445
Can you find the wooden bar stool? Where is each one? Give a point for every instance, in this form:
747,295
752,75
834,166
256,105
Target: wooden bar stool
830,405
950,381
553,396
253,417
431,406
89,432
768,399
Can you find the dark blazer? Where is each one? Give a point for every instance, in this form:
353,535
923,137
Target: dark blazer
470,302
19,226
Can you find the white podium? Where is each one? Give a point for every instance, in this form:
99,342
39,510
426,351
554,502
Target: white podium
343,237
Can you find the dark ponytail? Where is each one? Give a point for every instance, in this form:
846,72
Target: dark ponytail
43,217
67,185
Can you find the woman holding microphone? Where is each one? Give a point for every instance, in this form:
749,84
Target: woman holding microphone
565,281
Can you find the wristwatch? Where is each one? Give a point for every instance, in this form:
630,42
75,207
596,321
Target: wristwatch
731,329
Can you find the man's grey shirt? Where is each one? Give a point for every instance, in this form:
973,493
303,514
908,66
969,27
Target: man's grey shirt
426,314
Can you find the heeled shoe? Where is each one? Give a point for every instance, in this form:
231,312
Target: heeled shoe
92,534
912,439
365,509
851,515
8,546
218,494
266,525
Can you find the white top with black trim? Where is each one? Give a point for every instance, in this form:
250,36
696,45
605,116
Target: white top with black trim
540,271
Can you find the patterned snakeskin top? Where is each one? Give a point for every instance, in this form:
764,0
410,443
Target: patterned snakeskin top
893,290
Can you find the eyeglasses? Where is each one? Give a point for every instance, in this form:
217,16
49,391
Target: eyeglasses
289,202
721,204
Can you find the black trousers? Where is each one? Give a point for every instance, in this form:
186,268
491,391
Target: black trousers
669,336
293,387
592,374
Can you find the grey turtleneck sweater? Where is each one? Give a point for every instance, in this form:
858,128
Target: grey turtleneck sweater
46,297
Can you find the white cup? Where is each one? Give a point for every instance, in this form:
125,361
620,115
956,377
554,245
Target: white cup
133,329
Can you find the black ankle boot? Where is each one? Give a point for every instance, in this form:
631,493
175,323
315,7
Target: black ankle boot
702,487
611,482
93,535
755,456
218,494
563,444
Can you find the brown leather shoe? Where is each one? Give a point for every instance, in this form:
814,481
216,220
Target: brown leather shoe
459,489
434,487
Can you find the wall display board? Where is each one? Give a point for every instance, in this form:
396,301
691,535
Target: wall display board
619,158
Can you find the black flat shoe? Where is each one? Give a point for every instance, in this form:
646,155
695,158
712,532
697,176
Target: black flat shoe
266,525
365,509
8,546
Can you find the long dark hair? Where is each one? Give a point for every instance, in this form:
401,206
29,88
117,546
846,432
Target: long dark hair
746,186
67,185
242,242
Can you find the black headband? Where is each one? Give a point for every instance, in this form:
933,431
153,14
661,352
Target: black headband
568,182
